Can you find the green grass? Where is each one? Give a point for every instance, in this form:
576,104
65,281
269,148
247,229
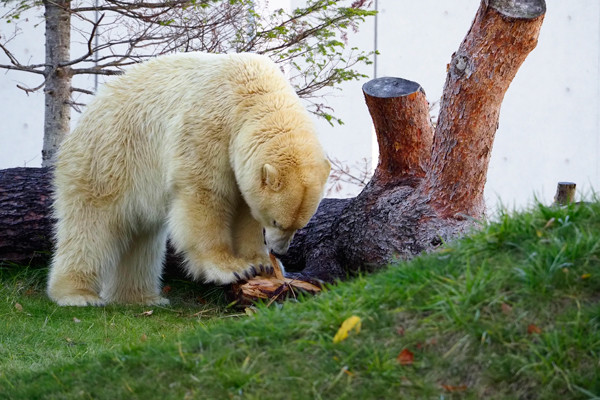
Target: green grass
511,312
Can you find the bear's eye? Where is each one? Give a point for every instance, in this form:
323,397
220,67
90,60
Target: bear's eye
276,225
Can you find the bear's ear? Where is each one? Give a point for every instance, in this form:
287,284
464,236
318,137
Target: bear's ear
270,177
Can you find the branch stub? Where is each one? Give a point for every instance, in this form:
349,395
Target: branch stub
388,87
521,9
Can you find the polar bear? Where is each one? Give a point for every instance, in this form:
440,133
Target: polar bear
215,152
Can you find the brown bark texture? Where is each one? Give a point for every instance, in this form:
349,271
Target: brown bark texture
502,35
25,221
407,209
398,105
565,193
428,186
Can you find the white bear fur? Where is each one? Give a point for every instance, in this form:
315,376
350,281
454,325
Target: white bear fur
205,149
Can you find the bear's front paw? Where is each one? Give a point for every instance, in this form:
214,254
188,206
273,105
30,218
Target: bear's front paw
248,271
228,270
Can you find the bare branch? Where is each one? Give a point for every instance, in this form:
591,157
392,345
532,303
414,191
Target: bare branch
16,65
341,173
35,89
90,51
76,106
24,68
31,90
98,71
122,6
128,32
85,91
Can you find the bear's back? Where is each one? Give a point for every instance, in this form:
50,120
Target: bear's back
157,94
136,125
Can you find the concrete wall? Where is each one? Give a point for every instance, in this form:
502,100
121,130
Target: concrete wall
549,124
21,115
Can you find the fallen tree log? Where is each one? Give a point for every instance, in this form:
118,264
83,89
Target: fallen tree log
25,216
428,185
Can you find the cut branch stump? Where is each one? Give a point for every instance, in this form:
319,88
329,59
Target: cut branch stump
399,105
565,193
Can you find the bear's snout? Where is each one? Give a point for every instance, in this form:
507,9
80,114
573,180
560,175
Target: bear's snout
278,241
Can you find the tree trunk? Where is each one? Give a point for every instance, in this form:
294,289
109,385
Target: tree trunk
428,186
386,220
406,209
58,77
26,218
502,35
25,222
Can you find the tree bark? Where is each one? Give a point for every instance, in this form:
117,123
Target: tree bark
421,208
398,105
428,186
57,91
25,222
386,220
502,35
565,193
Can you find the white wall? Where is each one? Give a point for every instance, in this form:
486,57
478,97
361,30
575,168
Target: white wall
549,124
550,121
21,115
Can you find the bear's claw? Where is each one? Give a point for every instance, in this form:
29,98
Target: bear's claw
253,271
263,270
238,278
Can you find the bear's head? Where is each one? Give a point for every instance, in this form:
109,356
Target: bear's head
283,189
290,197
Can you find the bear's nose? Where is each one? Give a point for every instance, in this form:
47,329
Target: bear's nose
278,255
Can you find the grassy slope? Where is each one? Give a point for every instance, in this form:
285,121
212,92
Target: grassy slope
512,312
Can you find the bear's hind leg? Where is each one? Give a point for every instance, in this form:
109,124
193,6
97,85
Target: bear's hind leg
85,251
136,278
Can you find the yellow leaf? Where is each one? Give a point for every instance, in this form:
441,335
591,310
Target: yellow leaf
352,323
586,276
